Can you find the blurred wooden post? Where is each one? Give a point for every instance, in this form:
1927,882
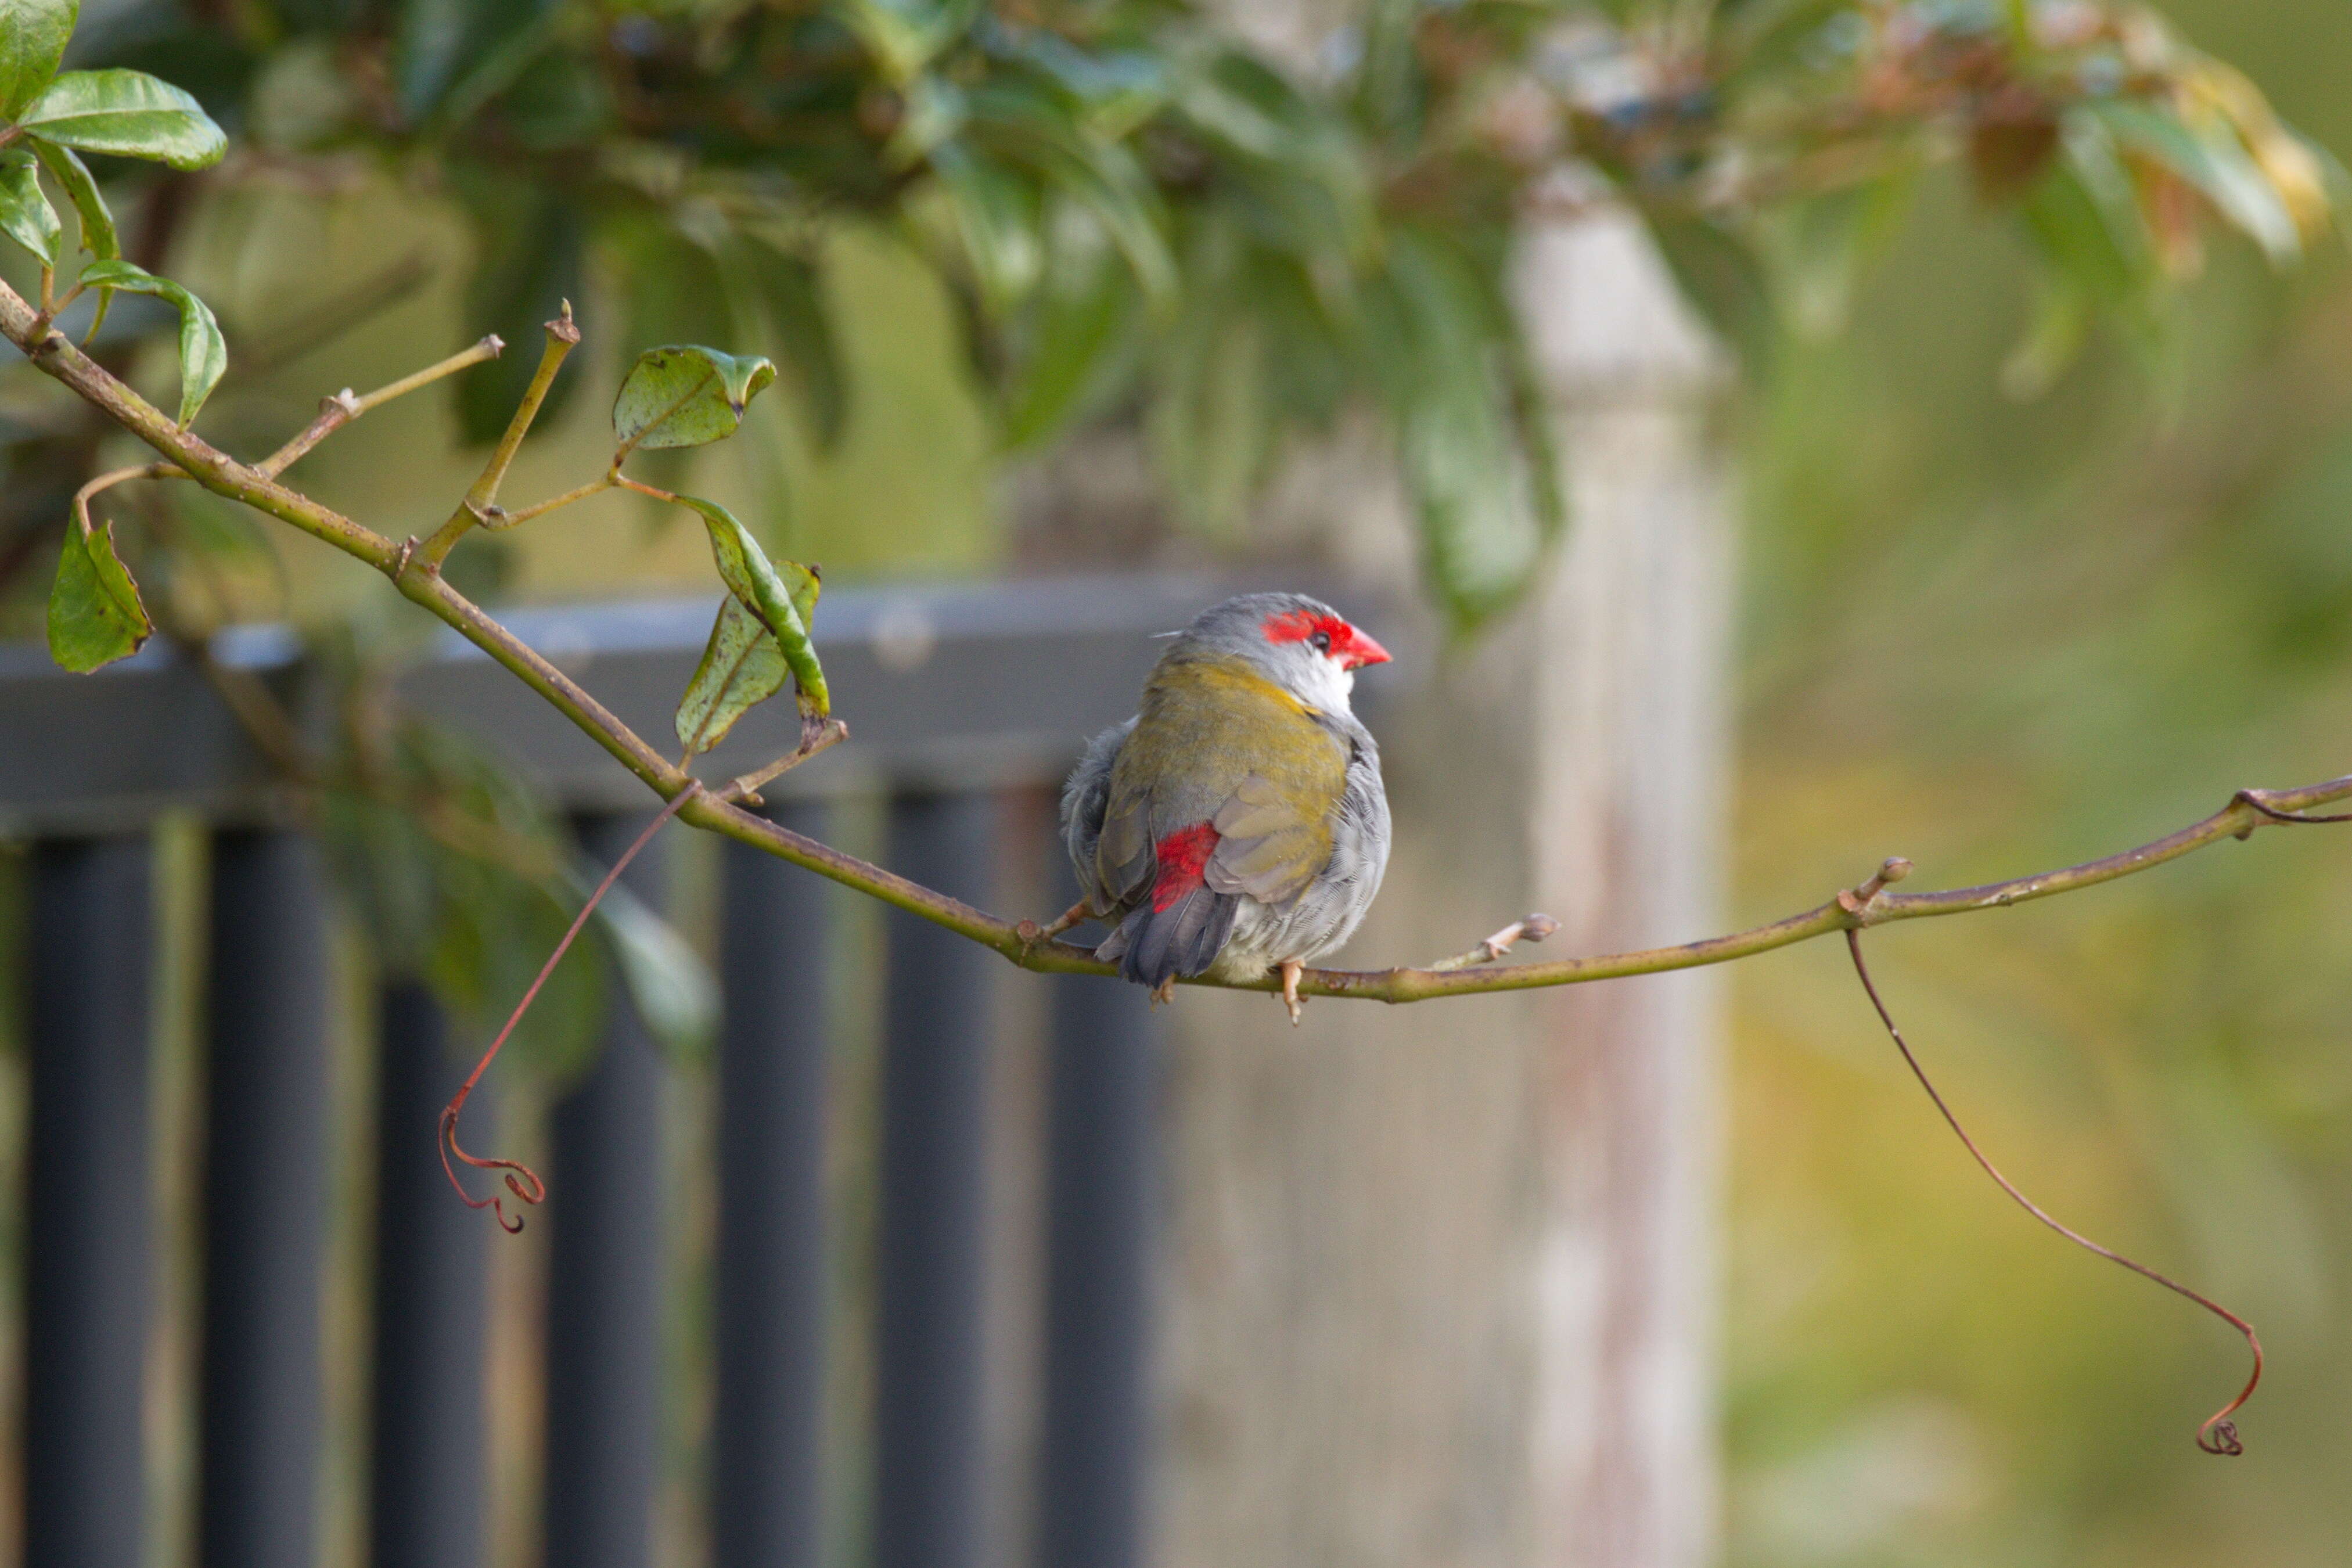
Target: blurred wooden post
1630,728
1442,1278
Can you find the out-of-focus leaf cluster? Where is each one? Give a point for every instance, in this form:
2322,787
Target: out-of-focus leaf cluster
464,881
1147,219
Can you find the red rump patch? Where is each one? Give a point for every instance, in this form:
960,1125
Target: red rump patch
1351,647
1182,855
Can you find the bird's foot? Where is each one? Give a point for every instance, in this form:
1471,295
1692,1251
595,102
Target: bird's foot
1164,992
1030,933
1291,968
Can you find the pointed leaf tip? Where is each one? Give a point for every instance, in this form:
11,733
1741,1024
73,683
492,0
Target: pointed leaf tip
204,354
128,113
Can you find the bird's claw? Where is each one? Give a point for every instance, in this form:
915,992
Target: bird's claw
1291,968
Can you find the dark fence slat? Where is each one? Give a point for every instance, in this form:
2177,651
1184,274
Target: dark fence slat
605,1277
431,1277
1102,1165
766,1440
265,1184
88,1225
928,1417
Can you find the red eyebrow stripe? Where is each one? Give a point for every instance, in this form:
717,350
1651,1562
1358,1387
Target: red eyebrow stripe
1183,855
1297,626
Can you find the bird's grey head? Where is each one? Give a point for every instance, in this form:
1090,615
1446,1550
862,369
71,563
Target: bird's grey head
1300,643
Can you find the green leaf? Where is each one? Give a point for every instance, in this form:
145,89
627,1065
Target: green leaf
1077,342
1103,175
66,167
95,615
995,214
905,35
25,212
672,989
529,257
440,46
684,395
33,35
2216,163
129,113
742,667
1442,349
1720,274
781,600
792,290
202,353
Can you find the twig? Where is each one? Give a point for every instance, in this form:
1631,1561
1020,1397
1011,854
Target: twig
2219,1434
563,336
340,410
497,517
516,1173
745,790
1535,928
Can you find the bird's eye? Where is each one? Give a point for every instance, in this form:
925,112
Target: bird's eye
1322,641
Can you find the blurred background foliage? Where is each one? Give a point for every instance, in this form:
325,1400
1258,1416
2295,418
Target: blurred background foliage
2047,548
1996,634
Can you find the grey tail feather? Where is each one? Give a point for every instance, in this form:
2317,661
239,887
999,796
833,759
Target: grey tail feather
1185,939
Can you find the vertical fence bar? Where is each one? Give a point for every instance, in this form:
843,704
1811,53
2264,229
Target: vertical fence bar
928,1425
604,1276
1101,1173
265,1184
88,1220
766,1440
430,1276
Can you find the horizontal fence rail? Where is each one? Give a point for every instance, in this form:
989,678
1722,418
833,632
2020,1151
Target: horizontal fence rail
961,701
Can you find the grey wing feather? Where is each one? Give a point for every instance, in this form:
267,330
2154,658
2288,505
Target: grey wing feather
1084,800
1151,945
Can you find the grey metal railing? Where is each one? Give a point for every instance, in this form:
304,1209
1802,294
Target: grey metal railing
954,696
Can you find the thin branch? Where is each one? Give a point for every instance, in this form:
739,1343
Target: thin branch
745,789
1021,942
2219,1434
516,1173
1534,928
563,336
497,517
340,410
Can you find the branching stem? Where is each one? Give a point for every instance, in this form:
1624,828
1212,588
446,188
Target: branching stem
497,517
1020,944
340,410
563,336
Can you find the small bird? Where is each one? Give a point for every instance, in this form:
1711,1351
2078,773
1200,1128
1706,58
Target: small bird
1237,823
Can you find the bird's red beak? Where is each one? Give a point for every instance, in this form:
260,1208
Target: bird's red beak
1360,649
